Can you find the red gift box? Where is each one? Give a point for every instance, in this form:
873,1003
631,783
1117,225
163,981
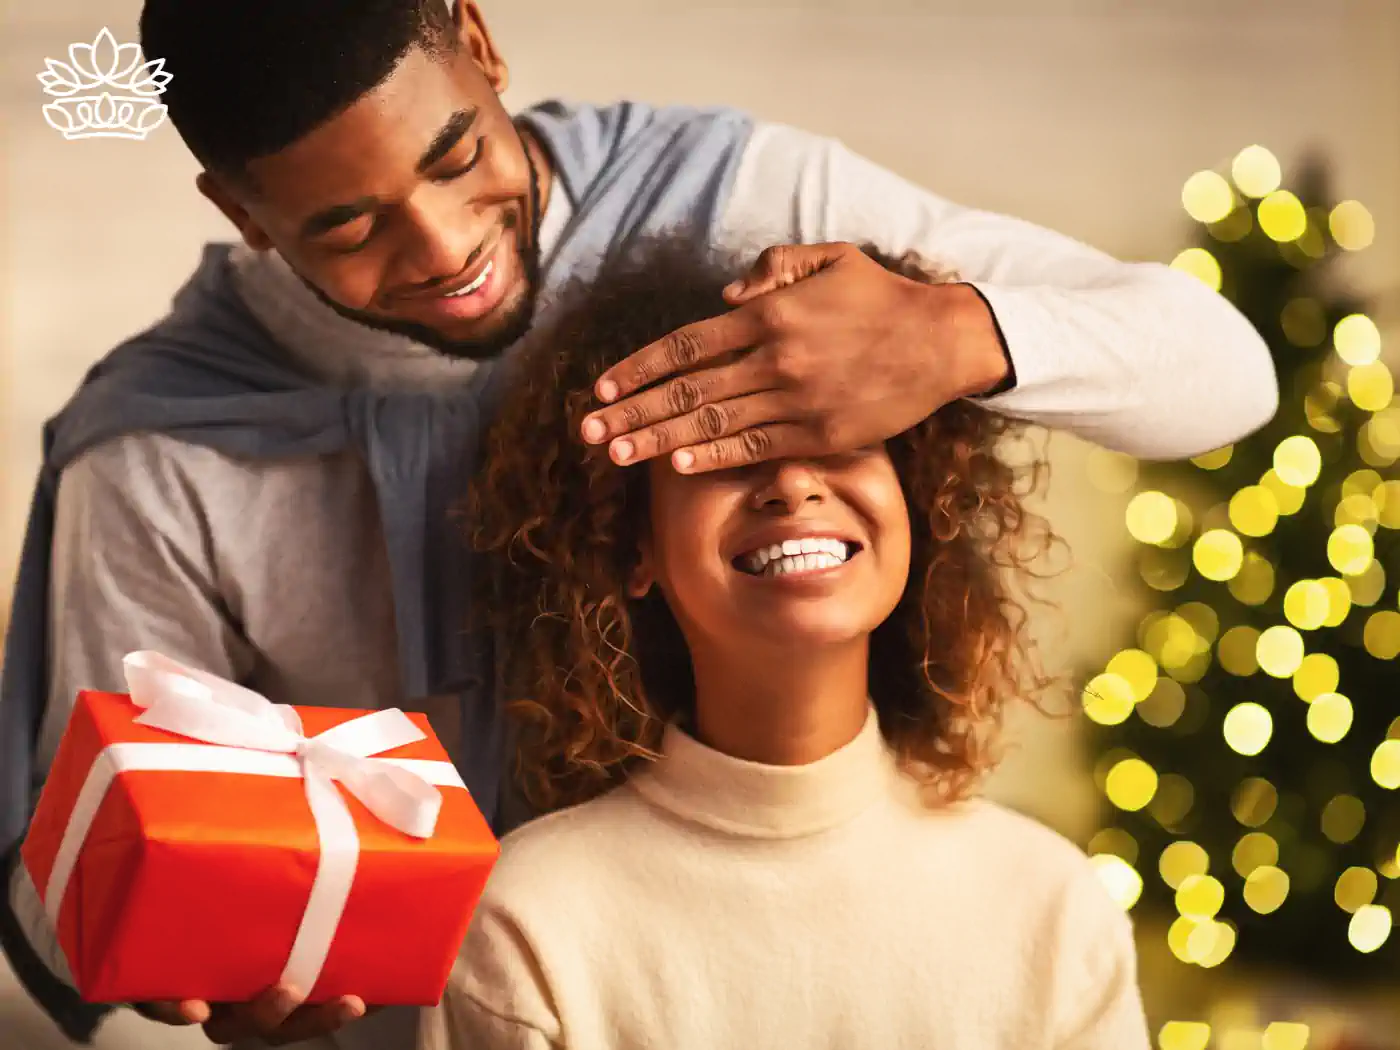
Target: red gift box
195,841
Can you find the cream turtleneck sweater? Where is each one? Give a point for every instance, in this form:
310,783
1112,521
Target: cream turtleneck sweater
713,903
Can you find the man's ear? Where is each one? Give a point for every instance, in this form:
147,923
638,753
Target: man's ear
643,575
472,31
215,191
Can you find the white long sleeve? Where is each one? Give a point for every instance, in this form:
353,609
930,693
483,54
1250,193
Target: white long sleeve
1135,357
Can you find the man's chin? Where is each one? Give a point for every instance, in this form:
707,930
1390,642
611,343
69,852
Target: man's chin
502,331
495,335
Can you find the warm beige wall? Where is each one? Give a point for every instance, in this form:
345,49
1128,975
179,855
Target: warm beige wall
1081,114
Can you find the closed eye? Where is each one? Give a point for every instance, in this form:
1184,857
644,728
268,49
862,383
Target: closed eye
458,172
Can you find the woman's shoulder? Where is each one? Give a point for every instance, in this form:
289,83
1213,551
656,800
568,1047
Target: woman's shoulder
567,848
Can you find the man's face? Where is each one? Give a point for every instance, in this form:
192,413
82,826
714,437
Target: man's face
414,210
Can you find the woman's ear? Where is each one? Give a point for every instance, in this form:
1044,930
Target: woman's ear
642,577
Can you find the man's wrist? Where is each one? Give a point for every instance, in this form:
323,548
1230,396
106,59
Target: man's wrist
971,348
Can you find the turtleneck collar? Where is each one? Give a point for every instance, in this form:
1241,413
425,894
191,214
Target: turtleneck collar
752,800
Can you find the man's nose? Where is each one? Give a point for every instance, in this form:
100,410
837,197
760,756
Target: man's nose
440,238
788,485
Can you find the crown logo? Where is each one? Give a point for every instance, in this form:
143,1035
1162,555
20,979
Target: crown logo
104,91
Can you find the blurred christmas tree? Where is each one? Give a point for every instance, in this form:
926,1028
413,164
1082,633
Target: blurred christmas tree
1249,736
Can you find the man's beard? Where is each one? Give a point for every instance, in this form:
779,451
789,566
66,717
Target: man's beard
514,325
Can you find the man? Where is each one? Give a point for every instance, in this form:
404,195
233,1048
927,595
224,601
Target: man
261,484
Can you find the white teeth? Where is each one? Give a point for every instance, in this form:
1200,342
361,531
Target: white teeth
481,279
805,555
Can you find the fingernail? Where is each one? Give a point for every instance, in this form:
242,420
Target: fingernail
684,459
734,289
622,451
594,429
350,1011
607,390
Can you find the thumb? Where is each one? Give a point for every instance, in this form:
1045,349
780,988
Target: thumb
779,266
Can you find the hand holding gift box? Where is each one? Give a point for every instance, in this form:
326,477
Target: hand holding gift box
195,841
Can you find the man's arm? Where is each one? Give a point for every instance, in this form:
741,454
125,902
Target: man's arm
131,568
1138,358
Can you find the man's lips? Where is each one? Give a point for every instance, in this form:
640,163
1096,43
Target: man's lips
473,294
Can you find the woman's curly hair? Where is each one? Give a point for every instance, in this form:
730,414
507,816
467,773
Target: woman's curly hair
593,676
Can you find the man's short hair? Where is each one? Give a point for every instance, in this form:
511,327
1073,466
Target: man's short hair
250,77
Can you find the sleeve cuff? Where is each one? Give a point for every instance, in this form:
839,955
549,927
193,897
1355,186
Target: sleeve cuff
1008,382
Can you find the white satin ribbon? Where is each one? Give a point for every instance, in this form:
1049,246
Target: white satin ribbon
244,732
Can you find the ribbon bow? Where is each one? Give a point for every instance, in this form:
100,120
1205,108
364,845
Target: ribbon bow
250,734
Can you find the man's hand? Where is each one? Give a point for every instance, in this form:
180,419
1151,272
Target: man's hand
826,351
277,1017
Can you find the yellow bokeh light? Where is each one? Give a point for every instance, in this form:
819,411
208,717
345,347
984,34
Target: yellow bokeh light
1361,483
1290,498
1329,717
1200,897
1382,635
1207,197
1385,764
1282,216
1108,699
1338,600
1248,727
1172,801
1119,878
1317,674
1306,605
1131,784
1254,850
1366,588
1180,861
1236,650
1386,497
1115,841
1285,1035
1151,517
1343,818
1165,704
1201,265
1253,584
1378,440
1297,461
1254,511
1174,640
1356,888
1212,943
1184,1035
1352,226
1214,459
1357,339
1137,668
1371,387
1179,938
1254,802
1204,621
1266,889
1256,171
1357,509
1369,928
1279,651
1350,549
1111,471
1218,554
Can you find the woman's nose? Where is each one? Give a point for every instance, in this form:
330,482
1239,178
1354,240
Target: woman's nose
788,485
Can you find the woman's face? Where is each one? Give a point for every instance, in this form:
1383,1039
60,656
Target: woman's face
791,553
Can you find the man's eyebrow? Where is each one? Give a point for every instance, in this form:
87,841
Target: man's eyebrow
450,134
